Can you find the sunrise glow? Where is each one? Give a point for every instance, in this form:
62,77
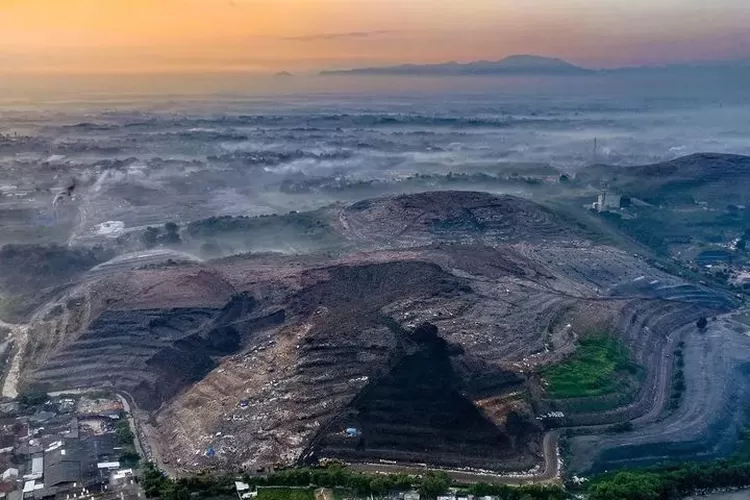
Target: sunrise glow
302,35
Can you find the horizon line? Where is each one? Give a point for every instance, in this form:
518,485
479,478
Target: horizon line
321,71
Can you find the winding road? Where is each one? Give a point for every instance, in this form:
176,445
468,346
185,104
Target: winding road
550,474
19,334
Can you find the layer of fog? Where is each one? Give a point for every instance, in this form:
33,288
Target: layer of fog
146,161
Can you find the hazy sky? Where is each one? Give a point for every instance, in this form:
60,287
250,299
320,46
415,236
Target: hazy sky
297,35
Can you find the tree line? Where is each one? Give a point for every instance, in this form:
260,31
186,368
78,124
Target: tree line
671,482
157,486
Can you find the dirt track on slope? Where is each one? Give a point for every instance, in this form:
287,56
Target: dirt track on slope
19,335
550,473
709,415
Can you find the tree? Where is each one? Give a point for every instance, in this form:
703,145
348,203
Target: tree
628,486
620,427
378,486
33,398
434,484
702,323
175,492
129,458
123,432
150,237
154,482
172,236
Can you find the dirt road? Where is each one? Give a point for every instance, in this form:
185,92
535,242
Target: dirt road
19,335
550,473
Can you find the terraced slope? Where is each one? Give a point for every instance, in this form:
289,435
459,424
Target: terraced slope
150,353
416,413
279,354
453,216
710,415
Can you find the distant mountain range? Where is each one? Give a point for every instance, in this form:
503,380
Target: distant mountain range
520,65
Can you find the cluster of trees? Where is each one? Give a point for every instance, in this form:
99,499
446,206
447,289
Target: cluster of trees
129,458
169,235
664,483
308,223
702,323
620,427
157,485
218,225
678,379
430,485
742,242
30,399
334,476
505,492
125,436
668,483
126,439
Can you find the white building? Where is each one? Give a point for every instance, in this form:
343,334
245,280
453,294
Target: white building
608,201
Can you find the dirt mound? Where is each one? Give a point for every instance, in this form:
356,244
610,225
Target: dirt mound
455,217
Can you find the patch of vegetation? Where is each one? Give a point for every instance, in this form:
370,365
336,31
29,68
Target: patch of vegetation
286,494
600,365
678,480
620,428
670,482
678,379
125,436
300,484
129,458
505,492
309,224
169,235
434,484
30,399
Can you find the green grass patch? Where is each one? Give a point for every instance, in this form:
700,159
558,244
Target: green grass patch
600,365
286,494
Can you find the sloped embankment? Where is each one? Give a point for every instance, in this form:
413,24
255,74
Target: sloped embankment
150,354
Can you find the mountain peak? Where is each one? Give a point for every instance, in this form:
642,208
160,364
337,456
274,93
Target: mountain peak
514,64
524,60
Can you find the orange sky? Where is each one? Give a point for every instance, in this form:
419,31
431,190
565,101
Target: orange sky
176,35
